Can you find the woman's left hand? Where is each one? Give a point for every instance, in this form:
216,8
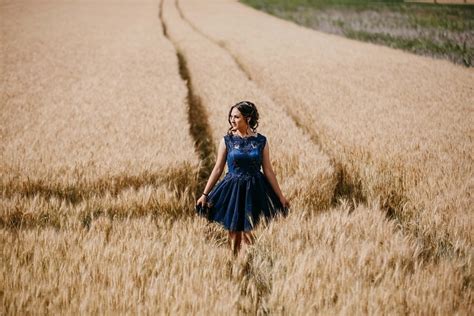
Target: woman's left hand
284,202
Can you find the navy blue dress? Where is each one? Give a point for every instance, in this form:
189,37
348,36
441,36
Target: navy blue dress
244,195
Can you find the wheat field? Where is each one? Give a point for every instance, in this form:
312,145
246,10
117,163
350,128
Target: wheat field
399,125
111,115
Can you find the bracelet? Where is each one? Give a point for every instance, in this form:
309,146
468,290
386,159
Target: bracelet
206,195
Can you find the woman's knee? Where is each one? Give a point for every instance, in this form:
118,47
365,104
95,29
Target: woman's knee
248,237
235,235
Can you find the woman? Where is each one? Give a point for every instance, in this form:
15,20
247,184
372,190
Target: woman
245,194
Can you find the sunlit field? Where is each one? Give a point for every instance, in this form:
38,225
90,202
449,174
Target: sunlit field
111,115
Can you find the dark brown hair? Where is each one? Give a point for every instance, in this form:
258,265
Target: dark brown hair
248,110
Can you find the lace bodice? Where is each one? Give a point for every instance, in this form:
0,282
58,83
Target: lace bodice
244,154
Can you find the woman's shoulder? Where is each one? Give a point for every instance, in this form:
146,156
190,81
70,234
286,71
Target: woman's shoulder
263,138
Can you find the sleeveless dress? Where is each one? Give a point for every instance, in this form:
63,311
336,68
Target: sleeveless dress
244,195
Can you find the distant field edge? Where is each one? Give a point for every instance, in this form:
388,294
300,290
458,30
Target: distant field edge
422,27
468,2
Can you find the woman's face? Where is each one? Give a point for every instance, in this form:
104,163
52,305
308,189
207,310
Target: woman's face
237,120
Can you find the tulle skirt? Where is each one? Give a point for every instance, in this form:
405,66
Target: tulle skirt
239,201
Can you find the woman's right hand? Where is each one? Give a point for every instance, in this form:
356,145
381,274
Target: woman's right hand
284,202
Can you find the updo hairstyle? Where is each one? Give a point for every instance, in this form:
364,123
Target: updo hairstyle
248,110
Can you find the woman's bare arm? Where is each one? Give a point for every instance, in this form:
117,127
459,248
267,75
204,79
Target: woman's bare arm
217,170
268,171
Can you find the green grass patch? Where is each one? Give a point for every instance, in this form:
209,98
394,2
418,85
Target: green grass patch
440,31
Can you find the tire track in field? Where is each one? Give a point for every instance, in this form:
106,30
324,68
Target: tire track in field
29,203
197,116
173,178
349,186
353,183
254,281
199,122
218,80
221,44
79,140
346,187
199,129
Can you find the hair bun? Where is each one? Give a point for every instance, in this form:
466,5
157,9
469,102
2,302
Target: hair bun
248,110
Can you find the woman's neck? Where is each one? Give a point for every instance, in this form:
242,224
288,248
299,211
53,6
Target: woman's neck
245,133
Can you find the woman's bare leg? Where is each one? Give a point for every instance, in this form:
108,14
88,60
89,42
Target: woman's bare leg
235,238
248,237
247,240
